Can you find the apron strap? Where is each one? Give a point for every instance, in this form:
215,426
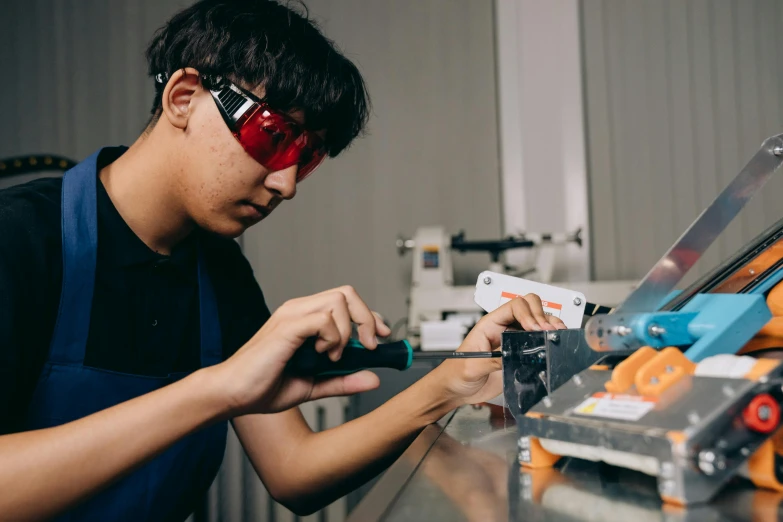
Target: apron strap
80,251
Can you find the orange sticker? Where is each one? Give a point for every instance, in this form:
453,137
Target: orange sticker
550,308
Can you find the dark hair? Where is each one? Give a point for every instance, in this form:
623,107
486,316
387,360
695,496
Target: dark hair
261,43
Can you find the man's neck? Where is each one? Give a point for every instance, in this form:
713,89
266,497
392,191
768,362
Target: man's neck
142,188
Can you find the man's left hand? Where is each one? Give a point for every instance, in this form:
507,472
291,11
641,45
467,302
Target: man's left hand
472,381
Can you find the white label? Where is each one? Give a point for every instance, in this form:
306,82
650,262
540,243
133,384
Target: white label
611,406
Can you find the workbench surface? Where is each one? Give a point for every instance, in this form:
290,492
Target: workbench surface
465,468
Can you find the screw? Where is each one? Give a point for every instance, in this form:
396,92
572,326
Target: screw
669,369
577,380
745,452
778,150
707,468
720,462
554,337
542,355
654,380
622,331
577,301
547,402
487,280
656,331
708,461
764,412
752,272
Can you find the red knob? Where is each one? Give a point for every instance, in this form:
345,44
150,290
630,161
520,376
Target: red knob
762,414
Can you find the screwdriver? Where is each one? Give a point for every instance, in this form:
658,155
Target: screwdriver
397,355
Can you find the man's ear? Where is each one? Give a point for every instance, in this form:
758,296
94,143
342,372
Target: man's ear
178,95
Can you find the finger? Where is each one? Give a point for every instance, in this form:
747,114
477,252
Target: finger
521,313
361,315
537,309
380,326
556,322
359,312
320,324
345,385
342,318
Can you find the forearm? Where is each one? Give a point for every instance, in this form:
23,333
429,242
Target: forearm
330,464
45,471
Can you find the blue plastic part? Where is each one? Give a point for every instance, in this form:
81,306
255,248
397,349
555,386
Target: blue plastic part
725,322
709,324
410,353
674,323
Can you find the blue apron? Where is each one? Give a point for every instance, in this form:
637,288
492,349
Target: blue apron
168,487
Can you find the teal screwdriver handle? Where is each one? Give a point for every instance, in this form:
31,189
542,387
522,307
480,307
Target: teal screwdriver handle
306,362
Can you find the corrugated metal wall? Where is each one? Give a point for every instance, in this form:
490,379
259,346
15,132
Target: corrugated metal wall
679,95
74,73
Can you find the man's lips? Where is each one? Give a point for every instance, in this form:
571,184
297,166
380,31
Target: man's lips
260,210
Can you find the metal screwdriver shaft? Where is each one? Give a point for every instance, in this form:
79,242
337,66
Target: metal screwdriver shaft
455,355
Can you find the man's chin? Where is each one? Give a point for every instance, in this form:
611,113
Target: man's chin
231,229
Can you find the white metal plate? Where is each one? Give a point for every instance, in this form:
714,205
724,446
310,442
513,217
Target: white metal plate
494,289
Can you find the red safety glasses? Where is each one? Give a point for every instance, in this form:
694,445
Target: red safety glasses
269,136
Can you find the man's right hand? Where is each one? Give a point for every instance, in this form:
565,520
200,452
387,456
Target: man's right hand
254,377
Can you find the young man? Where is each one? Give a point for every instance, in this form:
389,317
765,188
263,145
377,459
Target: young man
131,326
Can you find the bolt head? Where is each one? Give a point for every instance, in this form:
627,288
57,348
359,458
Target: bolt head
542,355
764,412
577,301
623,331
487,280
547,402
554,337
654,380
778,150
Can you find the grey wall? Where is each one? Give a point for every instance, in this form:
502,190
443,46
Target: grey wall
74,74
431,157
679,95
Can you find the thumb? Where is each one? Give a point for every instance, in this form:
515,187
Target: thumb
345,385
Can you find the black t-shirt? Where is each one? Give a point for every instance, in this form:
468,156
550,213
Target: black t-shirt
145,314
